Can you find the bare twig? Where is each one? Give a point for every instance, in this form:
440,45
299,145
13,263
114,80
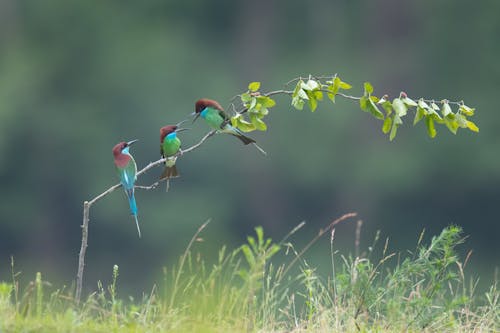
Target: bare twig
359,224
83,249
88,204
183,260
318,236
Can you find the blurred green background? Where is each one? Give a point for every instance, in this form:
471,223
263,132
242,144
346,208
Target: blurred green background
76,77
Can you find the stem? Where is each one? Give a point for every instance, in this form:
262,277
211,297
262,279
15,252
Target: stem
183,259
83,249
318,236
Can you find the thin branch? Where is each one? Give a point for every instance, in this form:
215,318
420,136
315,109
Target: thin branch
183,259
83,249
150,187
208,135
318,236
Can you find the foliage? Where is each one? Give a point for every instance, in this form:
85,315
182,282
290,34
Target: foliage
244,291
312,90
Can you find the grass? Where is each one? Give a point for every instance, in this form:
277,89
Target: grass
245,290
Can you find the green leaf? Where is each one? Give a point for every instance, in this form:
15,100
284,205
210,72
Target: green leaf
248,255
263,112
409,102
363,103
368,88
245,98
374,110
386,127
313,103
234,120
395,124
431,130
394,130
295,92
397,120
331,96
254,86
400,107
451,122
368,105
298,103
310,85
422,104
260,235
461,120
435,115
445,109
333,89
298,96
466,110
259,124
472,126
318,94
303,94
267,102
419,114
386,105
244,125
344,85
253,103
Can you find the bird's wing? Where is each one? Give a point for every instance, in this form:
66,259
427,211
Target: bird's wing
225,118
128,174
224,115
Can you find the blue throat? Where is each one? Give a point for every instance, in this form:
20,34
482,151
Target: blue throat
172,135
203,113
125,150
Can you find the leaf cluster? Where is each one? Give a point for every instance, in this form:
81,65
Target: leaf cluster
257,106
311,91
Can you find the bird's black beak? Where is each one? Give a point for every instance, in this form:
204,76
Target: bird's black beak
181,129
180,123
196,115
132,142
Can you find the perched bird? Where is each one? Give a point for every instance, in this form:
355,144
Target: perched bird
217,119
169,147
127,170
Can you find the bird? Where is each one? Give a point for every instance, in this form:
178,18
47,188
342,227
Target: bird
127,172
169,147
217,119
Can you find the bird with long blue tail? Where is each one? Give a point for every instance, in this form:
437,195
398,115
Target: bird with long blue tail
215,116
127,172
170,146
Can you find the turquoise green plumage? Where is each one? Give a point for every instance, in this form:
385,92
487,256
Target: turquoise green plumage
127,172
216,118
170,146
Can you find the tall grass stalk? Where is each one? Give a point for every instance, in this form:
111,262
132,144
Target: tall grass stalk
253,288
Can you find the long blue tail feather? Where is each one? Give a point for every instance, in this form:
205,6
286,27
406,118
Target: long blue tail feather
131,202
137,224
133,208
